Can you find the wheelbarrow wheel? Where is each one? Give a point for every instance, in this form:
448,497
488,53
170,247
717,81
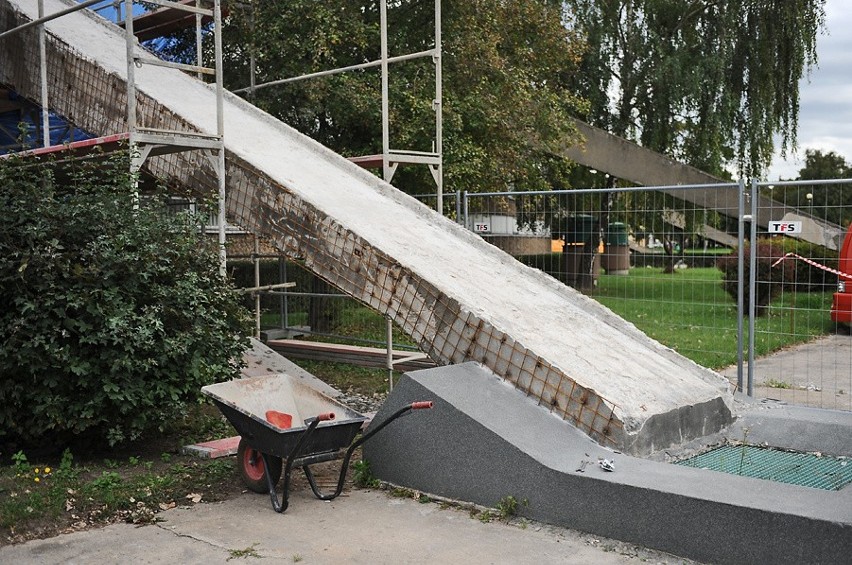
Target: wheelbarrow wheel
252,469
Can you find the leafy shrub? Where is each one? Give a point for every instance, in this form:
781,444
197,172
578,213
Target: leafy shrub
111,317
551,263
806,277
770,280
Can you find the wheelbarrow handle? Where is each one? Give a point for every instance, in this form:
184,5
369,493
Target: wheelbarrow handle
357,443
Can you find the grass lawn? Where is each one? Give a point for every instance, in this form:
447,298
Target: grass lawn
44,494
690,312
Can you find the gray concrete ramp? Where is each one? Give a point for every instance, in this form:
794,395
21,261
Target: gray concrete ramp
458,297
483,441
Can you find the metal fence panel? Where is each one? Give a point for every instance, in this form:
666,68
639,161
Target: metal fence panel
799,233
675,260
670,259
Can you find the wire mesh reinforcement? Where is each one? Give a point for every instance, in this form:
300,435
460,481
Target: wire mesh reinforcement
803,469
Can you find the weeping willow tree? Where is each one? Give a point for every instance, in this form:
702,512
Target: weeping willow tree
708,82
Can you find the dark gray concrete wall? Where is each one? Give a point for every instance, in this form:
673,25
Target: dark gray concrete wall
483,441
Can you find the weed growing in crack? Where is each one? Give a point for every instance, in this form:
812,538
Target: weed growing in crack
250,551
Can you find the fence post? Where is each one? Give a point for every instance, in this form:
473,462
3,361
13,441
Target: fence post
389,363
752,283
740,281
256,260
465,208
282,299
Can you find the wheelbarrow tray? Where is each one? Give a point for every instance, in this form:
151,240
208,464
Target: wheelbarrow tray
244,402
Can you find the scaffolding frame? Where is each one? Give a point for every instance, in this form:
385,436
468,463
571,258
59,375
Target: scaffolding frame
390,159
145,142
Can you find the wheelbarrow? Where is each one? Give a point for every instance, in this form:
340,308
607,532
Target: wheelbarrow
285,423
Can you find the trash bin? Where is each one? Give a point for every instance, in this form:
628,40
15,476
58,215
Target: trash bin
616,256
580,254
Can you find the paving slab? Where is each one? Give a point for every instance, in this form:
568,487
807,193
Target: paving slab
816,374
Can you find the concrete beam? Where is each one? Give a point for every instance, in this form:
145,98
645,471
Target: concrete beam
632,162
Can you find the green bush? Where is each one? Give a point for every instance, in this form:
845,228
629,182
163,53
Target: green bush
551,263
806,277
111,317
769,281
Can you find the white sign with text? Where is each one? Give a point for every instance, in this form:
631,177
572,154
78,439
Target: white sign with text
785,227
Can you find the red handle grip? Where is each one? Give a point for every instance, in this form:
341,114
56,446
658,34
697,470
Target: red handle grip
326,416
421,405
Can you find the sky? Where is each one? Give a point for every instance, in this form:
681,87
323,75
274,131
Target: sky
825,114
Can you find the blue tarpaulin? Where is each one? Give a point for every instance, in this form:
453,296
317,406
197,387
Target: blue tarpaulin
22,130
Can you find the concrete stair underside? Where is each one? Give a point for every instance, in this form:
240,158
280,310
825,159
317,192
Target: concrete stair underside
458,297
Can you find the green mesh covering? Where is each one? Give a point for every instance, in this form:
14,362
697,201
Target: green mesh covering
803,469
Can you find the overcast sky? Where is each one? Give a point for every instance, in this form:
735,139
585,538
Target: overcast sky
825,117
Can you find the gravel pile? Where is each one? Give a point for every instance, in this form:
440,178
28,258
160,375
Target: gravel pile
362,403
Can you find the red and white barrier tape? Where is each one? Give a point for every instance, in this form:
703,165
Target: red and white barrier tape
815,264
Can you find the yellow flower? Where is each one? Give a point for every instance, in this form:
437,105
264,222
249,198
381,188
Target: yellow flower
36,471
47,469
37,479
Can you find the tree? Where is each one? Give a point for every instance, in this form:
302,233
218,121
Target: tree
507,67
819,165
832,203
112,316
707,82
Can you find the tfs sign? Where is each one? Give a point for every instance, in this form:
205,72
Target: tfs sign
785,227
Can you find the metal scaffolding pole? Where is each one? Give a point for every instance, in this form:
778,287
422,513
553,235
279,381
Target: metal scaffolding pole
220,132
42,57
141,142
136,158
438,170
387,173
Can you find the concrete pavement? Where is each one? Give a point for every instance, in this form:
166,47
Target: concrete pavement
816,374
363,526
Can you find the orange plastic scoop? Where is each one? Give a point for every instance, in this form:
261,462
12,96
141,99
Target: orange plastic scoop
279,419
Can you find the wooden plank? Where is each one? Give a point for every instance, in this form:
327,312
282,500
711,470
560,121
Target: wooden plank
374,357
